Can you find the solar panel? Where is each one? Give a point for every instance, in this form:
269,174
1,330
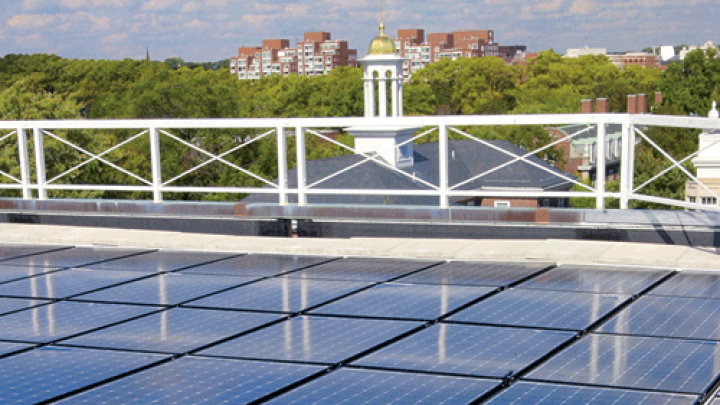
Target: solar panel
596,279
482,351
282,294
673,365
165,289
257,265
11,251
475,273
539,308
73,257
384,387
192,380
66,283
553,394
312,339
701,285
12,273
63,319
14,304
165,260
364,269
46,373
697,318
8,348
404,301
176,330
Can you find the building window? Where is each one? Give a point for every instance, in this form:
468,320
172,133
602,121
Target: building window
546,202
502,204
692,200
709,201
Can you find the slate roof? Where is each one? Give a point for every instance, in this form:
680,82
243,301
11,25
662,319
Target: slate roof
467,159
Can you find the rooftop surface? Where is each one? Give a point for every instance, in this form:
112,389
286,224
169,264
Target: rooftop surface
117,316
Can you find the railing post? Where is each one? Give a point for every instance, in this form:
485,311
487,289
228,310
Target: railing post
24,164
40,162
625,168
443,180
282,166
302,177
155,164
600,169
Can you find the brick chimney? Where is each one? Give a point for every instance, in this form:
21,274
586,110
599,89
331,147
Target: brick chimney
632,104
642,101
602,106
658,97
587,106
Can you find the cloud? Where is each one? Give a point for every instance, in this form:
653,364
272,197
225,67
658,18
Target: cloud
582,7
26,21
216,3
115,38
297,9
190,6
157,4
196,24
74,4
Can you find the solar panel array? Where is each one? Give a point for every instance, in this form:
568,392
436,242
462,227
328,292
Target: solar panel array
109,325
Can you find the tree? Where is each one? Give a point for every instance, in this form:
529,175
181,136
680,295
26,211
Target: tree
693,84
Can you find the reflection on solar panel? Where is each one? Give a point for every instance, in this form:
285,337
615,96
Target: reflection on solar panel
596,279
467,350
198,327
686,284
313,339
552,394
696,318
673,365
475,273
257,265
363,269
544,309
191,380
282,294
160,261
74,257
176,330
382,387
405,301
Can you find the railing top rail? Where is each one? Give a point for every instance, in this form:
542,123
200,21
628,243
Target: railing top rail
408,121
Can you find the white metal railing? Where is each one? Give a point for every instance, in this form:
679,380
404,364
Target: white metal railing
632,131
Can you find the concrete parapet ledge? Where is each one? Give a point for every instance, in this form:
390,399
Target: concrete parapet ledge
548,250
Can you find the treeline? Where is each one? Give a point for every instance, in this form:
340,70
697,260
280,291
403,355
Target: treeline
50,87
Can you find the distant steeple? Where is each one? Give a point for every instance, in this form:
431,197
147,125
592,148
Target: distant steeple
148,54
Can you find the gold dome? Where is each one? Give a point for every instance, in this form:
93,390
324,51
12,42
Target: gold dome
382,44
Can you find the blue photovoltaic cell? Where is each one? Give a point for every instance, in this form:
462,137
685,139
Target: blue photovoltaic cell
7,348
312,339
193,380
257,265
384,387
14,304
66,283
540,308
596,279
46,373
404,301
12,273
475,273
165,289
60,320
282,294
9,251
697,318
553,394
687,284
176,330
363,269
165,260
73,257
483,351
684,366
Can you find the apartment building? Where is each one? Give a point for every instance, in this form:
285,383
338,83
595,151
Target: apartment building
421,50
317,54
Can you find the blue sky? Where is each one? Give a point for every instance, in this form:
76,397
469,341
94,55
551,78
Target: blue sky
209,30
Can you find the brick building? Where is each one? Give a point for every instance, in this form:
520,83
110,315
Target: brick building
317,54
421,50
642,59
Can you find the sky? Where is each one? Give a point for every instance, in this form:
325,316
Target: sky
211,30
